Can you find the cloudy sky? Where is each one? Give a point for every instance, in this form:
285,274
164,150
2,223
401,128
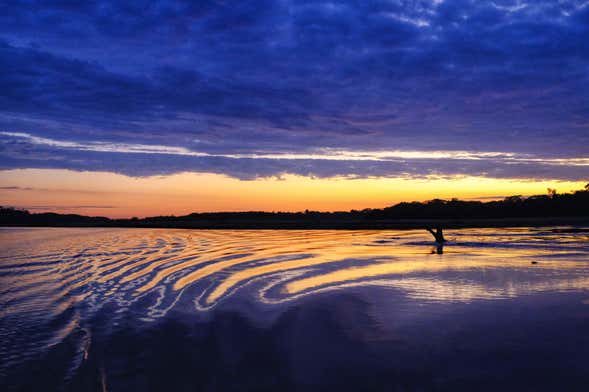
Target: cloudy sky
237,96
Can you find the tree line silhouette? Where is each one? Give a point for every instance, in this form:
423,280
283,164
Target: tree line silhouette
549,209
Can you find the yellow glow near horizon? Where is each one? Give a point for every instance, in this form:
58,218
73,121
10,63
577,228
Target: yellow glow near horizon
114,195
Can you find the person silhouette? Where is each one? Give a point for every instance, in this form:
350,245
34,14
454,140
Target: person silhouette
438,234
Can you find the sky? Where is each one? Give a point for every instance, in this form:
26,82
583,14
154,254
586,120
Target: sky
168,107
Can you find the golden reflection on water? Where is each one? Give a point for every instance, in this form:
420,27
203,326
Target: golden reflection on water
57,279
48,268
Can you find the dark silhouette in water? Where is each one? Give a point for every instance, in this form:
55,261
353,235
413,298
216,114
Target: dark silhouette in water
438,234
440,240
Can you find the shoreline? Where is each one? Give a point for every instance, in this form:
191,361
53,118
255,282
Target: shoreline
397,224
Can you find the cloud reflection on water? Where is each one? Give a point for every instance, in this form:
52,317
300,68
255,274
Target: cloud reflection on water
126,264
54,283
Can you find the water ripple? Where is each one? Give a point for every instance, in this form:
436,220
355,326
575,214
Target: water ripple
61,278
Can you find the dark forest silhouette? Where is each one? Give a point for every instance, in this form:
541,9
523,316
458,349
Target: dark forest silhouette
551,209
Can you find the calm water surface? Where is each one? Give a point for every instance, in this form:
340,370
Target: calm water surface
191,310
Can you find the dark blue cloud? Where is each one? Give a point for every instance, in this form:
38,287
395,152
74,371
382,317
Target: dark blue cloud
18,152
295,76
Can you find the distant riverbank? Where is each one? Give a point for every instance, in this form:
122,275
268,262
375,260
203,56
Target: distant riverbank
567,209
326,224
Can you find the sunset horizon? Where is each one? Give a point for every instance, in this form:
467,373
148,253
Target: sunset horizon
84,194
241,107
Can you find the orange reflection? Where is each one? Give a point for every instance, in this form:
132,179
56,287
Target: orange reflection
52,267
